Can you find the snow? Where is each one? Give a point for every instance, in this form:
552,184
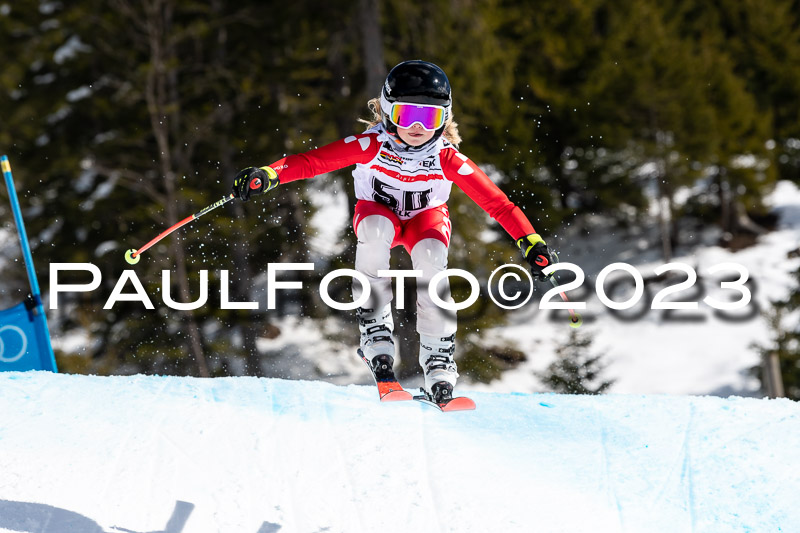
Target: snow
171,454
70,49
698,352
330,219
84,91
288,354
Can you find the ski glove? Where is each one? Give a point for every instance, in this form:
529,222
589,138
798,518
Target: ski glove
253,181
535,251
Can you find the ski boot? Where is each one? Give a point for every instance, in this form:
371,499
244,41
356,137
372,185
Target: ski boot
436,358
377,351
441,372
377,345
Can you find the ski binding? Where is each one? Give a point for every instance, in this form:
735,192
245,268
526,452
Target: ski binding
389,390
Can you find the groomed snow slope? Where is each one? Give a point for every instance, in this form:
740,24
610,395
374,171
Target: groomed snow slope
166,454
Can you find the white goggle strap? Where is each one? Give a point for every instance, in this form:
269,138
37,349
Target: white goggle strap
386,106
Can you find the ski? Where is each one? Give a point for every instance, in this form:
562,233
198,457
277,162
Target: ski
459,403
389,390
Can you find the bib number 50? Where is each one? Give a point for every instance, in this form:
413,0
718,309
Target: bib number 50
398,200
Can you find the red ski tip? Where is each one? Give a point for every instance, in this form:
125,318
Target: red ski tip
458,404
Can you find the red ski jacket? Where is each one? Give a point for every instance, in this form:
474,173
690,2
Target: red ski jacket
407,183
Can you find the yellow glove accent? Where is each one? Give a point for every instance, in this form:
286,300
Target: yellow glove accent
272,178
529,241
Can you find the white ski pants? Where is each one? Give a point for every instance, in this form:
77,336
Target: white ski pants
375,236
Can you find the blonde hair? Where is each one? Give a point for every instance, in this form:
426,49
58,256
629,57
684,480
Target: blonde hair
450,127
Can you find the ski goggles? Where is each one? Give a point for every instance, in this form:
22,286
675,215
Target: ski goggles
405,115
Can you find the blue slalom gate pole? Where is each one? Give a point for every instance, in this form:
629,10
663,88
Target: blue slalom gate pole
34,308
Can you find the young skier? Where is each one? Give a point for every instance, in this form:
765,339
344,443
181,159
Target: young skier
406,163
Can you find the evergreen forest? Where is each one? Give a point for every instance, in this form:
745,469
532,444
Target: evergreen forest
122,117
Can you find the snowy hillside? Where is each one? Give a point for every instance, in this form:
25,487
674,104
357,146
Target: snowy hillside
686,352
166,454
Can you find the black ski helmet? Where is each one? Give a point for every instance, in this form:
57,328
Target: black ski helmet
417,82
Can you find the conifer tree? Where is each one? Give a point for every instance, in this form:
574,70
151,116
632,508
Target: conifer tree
763,39
142,115
739,158
576,370
784,344
564,102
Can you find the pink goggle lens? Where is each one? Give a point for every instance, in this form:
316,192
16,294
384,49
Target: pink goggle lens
430,117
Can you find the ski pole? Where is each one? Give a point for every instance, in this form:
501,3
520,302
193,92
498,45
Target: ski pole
133,255
575,320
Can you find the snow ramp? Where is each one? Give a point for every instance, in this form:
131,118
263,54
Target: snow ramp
154,454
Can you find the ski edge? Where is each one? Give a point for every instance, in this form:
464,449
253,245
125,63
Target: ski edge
459,403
